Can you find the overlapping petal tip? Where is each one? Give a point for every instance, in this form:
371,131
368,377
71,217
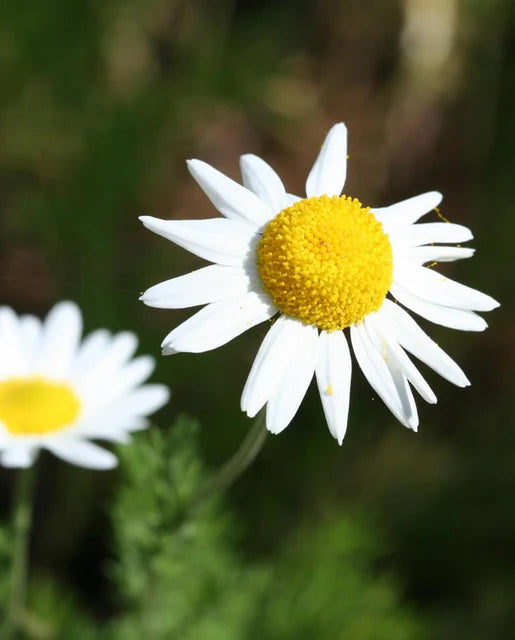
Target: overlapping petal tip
285,401
410,336
408,211
438,289
218,323
217,240
259,177
433,253
384,377
427,233
327,177
230,198
273,359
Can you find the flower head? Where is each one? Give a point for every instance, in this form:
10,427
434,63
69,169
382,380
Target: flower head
325,264
58,392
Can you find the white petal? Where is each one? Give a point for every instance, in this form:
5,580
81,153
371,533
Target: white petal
96,380
429,232
327,177
205,285
146,400
218,323
386,380
271,363
333,373
435,287
446,316
380,328
134,373
14,356
291,199
408,211
230,198
60,339
417,342
261,179
93,348
438,253
82,453
217,240
18,456
286,400
31,330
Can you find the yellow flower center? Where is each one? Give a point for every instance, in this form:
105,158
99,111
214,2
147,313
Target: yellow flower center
33,406
326,261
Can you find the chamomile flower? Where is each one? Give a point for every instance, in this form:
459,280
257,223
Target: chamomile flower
58,392
325,265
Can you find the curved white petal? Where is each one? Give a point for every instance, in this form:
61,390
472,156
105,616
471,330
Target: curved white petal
426,233
285,402
203,286
92,348
261,179
60,339
460,319
230,198
333,373
134,373
82,453
31,329
14,357
218,323
18,456
145,400
437,253
276,352
387,381
383,335
327,177
417,342
215,239
291,199
407,211
435,287
94,381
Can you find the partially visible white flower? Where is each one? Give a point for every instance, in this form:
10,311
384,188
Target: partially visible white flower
57,392
325,264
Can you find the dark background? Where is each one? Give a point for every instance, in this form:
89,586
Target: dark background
102,102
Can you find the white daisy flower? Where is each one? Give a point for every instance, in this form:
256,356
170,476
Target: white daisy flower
325,264
57,392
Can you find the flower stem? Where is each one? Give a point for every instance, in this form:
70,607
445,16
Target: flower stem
237,464
22,520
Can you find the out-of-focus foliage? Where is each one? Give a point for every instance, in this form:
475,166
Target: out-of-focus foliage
180,575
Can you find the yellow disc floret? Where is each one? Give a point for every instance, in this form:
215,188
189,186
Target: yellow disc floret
34,406
326,261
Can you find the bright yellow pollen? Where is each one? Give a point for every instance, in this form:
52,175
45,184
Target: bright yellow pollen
33,406
326,261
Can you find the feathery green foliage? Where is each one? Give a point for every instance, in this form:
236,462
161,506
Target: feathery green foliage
180,576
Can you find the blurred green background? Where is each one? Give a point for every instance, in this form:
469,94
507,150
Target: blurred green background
102,102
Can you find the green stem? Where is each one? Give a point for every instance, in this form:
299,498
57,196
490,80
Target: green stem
236,465
22,520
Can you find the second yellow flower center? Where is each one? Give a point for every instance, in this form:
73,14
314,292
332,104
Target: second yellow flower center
34,406
326,261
